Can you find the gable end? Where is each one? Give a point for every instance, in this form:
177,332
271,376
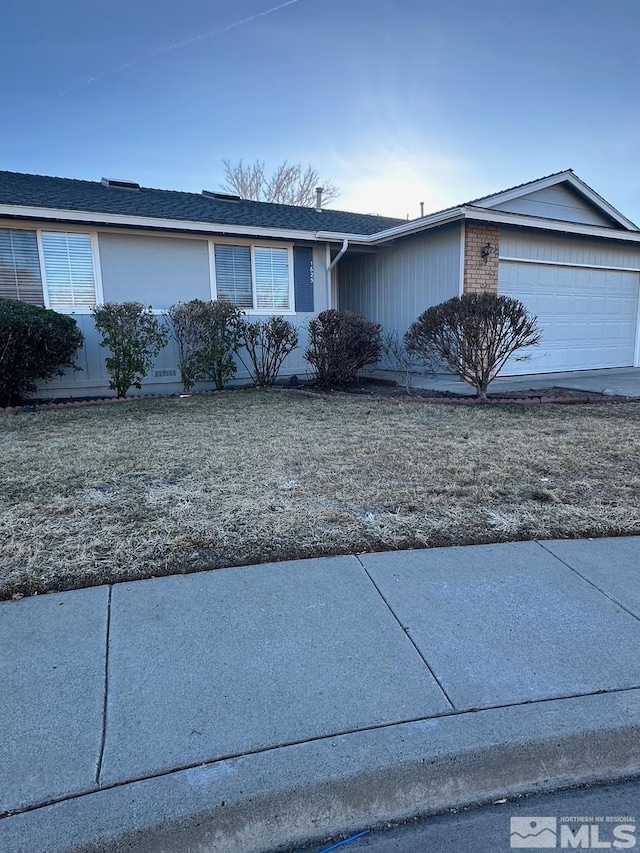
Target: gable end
560,202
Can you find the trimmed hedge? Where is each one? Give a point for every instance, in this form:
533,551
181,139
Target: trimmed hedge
35,344
341,343
475,334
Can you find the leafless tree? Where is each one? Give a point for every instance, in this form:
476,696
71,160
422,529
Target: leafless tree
289,183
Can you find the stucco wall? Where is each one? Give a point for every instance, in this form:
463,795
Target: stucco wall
156,271
160,271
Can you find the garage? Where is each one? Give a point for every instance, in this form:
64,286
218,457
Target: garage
588,315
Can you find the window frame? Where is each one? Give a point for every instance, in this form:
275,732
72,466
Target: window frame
254,244
95,260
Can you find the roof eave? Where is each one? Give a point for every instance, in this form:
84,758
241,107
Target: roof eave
523,220
152,222
414,226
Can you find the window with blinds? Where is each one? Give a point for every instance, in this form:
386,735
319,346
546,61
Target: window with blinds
68,268
233,275
234,278
272,278
20,266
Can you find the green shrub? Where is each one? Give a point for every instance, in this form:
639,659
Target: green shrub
184,321
206,336
134,337
341,344
267,343
473,334
35,344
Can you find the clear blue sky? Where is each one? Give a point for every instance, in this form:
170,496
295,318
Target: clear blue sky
397,101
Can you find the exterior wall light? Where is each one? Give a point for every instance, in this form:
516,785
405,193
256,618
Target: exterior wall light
486,252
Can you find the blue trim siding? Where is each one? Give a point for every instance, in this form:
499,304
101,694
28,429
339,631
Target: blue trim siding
303,279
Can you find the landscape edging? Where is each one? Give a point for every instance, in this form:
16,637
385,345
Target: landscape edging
534,400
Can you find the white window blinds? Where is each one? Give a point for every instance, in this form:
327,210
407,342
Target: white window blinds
272,278
20,266
68,267
233,275
265,287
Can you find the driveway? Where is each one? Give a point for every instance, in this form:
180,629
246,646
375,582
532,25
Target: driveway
623,381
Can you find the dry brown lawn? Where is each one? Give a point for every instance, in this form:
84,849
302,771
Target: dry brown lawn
113,493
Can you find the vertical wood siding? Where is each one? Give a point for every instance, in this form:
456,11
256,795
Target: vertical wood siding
557,203
568,249
397,283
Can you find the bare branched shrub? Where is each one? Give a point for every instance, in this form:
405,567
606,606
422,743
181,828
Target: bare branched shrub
401,362
267,343
206,336
289,183
341,343
474,334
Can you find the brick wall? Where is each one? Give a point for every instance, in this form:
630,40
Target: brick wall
480,275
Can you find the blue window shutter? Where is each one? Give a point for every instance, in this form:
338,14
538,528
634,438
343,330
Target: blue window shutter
303,278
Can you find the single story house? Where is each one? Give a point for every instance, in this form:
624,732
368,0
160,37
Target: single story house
553,243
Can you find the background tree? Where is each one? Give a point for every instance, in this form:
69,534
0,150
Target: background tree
289,183
474,334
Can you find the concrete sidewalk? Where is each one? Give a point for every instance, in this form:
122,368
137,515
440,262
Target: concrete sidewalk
250,709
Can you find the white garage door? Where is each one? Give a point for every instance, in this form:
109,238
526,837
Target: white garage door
588,317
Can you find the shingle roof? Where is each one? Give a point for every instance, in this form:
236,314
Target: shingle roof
515,187
475,201
91,196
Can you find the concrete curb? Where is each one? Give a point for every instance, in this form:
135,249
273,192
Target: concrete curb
292,795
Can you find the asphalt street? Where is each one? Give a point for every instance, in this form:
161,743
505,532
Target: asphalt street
487,829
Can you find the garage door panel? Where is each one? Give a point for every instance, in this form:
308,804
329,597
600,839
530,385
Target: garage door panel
588,317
